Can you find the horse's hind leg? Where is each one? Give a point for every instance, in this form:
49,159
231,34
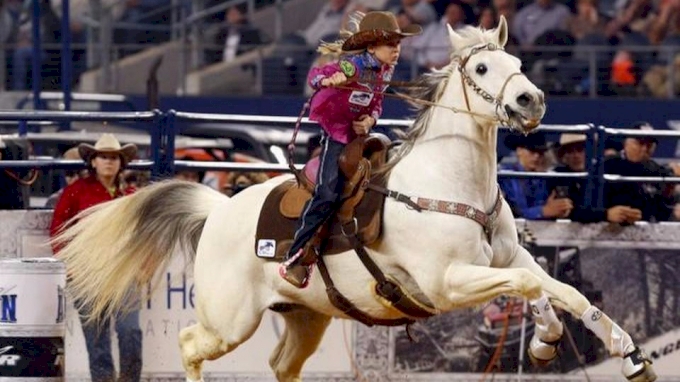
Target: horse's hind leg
303,333
636,366
198,344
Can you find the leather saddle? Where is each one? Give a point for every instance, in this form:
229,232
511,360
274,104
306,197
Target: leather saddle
359,212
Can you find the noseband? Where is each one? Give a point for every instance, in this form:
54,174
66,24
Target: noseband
465,79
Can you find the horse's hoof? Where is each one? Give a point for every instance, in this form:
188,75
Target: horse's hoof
637,367
541,354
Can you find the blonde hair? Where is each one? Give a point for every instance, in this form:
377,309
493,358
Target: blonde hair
335,47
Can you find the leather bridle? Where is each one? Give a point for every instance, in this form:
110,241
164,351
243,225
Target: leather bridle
467,81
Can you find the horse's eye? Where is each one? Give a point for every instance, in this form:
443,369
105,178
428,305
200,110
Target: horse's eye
481,69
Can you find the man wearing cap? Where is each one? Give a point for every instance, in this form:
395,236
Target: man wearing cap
105,161
572,155
655,200
529,198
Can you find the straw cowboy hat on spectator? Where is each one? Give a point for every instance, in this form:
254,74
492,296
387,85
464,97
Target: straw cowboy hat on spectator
568,140
377,28
108,144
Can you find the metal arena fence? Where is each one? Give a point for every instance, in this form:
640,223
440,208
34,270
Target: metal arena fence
163,127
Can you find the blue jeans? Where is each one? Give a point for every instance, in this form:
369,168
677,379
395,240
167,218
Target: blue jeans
21,62
329,184
98,341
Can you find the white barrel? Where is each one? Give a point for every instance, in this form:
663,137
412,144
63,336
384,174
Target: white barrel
32,326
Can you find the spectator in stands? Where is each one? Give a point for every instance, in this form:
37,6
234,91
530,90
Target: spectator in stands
634,16
655,200
437,46
586,21
659,77
70,176
676,209
23,52
612,147
6,23
235,37
239,181
537,18
488,18
105,160
328,22
507,8
136,179
189,175
572,157
530,198
667,22
415,12
625,73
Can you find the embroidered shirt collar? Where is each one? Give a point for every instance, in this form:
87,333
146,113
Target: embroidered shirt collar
369,61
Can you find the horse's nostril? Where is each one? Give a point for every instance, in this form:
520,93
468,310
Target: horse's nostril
524,99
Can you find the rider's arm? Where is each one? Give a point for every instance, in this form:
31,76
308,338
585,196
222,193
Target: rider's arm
316,75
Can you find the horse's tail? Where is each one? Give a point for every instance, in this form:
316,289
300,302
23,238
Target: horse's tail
117,247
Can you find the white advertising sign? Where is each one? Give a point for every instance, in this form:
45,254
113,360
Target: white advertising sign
171,309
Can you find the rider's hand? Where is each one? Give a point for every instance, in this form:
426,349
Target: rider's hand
363,124
336,79
557,207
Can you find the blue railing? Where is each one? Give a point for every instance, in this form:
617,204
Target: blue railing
163,128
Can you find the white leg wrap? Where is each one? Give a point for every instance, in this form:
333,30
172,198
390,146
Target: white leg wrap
191,380
548,327
616,339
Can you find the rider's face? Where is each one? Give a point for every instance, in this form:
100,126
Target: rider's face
386,54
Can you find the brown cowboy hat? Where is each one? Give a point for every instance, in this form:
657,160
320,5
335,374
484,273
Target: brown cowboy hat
376,27
108,144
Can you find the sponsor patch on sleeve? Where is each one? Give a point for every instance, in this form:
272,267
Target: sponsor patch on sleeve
347,68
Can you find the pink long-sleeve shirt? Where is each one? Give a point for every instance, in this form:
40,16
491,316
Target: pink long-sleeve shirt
335,109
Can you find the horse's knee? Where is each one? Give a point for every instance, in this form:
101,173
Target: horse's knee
528,284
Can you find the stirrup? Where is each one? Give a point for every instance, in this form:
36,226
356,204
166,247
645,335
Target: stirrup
296,273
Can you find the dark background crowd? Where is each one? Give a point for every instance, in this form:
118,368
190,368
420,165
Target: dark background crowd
619,47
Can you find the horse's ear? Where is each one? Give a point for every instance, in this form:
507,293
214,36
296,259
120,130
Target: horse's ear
453,37
502,32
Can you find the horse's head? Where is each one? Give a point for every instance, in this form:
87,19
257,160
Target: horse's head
493,83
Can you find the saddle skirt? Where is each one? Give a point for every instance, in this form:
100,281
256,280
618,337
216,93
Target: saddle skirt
284,205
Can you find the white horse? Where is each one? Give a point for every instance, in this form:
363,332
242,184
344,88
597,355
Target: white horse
449,157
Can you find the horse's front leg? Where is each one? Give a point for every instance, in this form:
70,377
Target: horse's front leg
636,365
469,285
472,285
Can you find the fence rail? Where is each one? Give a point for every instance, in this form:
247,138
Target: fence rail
163,132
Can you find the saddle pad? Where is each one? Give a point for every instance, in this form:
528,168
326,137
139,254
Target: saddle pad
275,231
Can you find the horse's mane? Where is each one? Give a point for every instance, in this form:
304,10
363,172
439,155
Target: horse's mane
430,86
